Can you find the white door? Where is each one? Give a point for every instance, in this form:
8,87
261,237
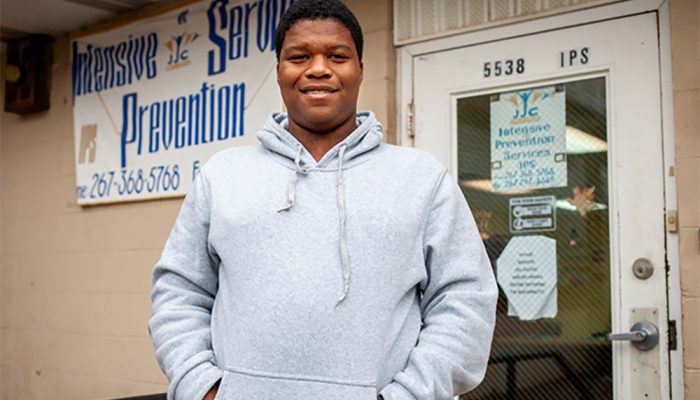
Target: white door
556,141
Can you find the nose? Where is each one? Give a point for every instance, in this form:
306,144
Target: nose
318,68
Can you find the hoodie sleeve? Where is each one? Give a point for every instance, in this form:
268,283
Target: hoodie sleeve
185,282
458,305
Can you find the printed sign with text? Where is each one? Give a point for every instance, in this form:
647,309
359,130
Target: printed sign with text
533,214
528,139
153,100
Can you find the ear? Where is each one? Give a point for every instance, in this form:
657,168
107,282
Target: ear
277,69
362,71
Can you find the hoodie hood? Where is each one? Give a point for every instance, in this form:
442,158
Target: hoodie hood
275,137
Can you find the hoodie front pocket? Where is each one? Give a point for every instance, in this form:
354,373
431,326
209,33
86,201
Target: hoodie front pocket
221,392
248,385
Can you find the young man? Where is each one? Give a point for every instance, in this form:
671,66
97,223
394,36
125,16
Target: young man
322,264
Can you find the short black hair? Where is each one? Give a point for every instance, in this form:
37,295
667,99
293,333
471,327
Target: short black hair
318,9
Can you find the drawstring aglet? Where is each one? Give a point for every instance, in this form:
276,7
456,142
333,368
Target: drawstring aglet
340,300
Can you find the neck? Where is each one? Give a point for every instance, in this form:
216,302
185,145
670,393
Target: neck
319,142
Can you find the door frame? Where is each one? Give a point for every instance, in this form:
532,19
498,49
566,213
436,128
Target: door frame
405,122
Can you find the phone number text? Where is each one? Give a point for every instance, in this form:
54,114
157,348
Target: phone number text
157,179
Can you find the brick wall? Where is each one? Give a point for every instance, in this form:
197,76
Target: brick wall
685,50
75,287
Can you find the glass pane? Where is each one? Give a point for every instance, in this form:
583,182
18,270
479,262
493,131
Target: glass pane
549,223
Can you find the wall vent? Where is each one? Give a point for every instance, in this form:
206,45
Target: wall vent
416,20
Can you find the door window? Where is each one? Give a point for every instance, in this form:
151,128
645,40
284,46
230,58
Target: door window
549,243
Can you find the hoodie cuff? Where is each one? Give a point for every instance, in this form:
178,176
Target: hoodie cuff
395,391
197,382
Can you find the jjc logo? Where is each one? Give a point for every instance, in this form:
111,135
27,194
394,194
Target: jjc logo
177,45
525,102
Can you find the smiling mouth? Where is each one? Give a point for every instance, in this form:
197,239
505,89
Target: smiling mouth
318,90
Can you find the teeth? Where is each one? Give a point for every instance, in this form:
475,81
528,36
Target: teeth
317,91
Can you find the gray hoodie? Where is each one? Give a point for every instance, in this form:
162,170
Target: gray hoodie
290,279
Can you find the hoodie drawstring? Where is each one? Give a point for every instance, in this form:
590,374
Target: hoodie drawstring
291,197
292,188
344,259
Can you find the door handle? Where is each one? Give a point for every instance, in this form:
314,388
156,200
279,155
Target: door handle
644,336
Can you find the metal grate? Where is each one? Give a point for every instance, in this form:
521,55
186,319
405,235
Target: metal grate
559,352
427,13
502,9
420,19
452,14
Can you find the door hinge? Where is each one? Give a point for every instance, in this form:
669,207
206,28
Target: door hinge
409,120
672,335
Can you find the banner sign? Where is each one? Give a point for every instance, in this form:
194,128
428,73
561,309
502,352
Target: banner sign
528,139
155,99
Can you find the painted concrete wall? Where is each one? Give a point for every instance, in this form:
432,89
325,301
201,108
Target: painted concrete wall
75,281
685,53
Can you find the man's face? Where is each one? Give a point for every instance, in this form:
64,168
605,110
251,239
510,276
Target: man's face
319,74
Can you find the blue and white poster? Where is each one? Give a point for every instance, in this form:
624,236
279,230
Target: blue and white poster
528,139
153,100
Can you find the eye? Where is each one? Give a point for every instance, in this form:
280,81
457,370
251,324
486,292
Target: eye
338,57
298,57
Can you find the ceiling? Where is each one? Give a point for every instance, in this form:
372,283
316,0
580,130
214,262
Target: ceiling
55,17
